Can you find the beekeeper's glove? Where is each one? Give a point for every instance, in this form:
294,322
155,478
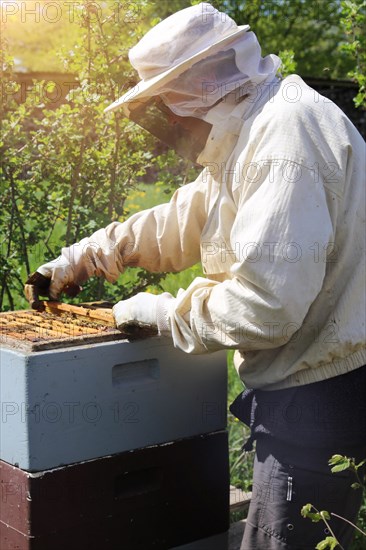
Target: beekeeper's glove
50,280
143,310
64,274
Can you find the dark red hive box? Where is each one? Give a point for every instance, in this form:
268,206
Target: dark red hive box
157,497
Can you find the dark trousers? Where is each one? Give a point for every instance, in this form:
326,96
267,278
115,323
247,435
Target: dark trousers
281,488
297,430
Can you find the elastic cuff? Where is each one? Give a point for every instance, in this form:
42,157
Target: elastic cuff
163,307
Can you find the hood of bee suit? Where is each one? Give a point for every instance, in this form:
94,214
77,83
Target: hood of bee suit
176,44
187,64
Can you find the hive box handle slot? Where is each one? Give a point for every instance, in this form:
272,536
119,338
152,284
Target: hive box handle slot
140,373
140,482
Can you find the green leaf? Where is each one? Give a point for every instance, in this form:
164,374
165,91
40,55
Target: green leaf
339,463
330,543
335,459
340,467
324,514
306,512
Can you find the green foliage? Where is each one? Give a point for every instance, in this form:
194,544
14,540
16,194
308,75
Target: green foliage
37,29
339,463
353,21
68,171
241,463
310,28
289,63
328,543
359,540
306,512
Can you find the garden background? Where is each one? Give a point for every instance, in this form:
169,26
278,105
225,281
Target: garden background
68,169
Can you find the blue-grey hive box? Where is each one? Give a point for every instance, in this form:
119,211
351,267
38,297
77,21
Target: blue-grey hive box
92,395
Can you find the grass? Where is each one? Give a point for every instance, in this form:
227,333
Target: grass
241,464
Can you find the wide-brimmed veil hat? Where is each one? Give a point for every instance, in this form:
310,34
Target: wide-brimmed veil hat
176,44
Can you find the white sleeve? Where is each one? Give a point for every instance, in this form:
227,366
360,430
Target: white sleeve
165,238
276,274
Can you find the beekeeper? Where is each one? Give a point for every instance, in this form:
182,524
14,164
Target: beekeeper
277,219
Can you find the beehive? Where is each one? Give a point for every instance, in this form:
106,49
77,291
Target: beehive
60,325
73,388
160,497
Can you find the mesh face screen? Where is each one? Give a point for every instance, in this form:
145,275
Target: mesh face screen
186,135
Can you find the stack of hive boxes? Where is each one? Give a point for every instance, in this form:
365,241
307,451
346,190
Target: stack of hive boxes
109,444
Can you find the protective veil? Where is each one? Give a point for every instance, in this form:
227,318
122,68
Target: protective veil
195,113
195,66
234,72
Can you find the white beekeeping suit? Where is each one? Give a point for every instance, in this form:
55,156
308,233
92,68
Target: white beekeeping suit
274,217
277,220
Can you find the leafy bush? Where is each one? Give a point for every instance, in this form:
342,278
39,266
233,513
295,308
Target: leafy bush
338,463
353,22
68,171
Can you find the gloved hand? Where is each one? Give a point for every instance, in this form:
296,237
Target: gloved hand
50,280
140,310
